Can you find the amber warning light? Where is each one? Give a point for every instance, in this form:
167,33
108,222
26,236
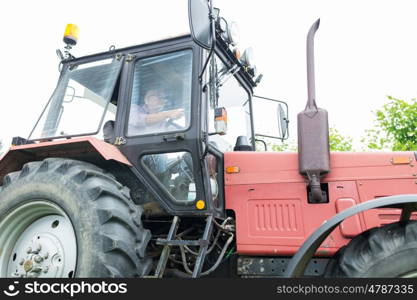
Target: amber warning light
220,120
71,35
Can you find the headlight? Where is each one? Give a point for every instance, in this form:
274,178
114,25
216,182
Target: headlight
230,32
247,58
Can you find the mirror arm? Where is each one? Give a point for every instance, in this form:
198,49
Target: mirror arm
263,142
213,36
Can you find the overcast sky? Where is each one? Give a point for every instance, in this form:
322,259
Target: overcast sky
365,50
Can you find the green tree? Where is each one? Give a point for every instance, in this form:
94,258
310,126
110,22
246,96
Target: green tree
395,126
338,142
287,146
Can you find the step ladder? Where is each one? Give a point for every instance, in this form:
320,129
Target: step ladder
170,242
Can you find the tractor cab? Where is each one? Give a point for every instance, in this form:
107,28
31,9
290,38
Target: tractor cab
173,107
143,164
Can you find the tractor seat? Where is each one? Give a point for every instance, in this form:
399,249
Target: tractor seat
242,144
108,132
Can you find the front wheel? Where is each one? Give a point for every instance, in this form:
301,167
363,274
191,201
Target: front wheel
387,251
67,218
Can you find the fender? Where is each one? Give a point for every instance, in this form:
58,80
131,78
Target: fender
300,260
84,148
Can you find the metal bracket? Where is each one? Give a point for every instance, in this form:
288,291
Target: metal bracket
174,137
130,57
199,242
119,141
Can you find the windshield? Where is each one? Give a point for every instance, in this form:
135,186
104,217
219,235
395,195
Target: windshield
79,102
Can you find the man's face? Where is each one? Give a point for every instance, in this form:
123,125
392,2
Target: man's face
155,102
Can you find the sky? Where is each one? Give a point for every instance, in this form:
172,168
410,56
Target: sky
365,50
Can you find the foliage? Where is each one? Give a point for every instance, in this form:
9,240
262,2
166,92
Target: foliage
287,146
395,126
338,142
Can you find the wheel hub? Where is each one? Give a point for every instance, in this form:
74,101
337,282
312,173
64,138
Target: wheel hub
44,247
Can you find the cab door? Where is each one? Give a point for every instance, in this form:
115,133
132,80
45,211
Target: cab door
161,135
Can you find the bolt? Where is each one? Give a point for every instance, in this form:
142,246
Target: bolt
36,270
38,258
21,262
262,269
46,255
46,269
29,250
37,249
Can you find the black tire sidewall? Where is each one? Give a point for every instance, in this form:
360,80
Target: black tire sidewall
77,206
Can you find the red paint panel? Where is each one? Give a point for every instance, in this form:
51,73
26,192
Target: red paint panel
350,227
71,148
276,218
269,217
106,150
273,216
371,189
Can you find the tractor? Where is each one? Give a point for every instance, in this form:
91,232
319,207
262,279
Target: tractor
144,164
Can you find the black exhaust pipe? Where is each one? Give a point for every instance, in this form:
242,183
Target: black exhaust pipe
313,132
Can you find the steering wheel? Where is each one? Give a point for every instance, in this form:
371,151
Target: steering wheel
170,122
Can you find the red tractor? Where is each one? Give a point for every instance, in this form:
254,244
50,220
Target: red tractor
143,164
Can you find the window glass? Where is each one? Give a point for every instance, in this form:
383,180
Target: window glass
79,101
234,98
161,95
175,172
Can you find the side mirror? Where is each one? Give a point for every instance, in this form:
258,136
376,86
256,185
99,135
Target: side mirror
282,113
270,118
200,23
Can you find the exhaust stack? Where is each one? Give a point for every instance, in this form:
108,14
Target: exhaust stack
313,132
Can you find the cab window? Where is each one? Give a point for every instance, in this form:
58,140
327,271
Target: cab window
230,94
161,94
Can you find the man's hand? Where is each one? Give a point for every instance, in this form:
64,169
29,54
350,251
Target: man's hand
175,113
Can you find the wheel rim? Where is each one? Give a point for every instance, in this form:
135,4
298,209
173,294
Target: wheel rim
38,240
412,274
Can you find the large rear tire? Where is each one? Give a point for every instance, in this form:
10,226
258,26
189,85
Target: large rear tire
387,251
68,218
